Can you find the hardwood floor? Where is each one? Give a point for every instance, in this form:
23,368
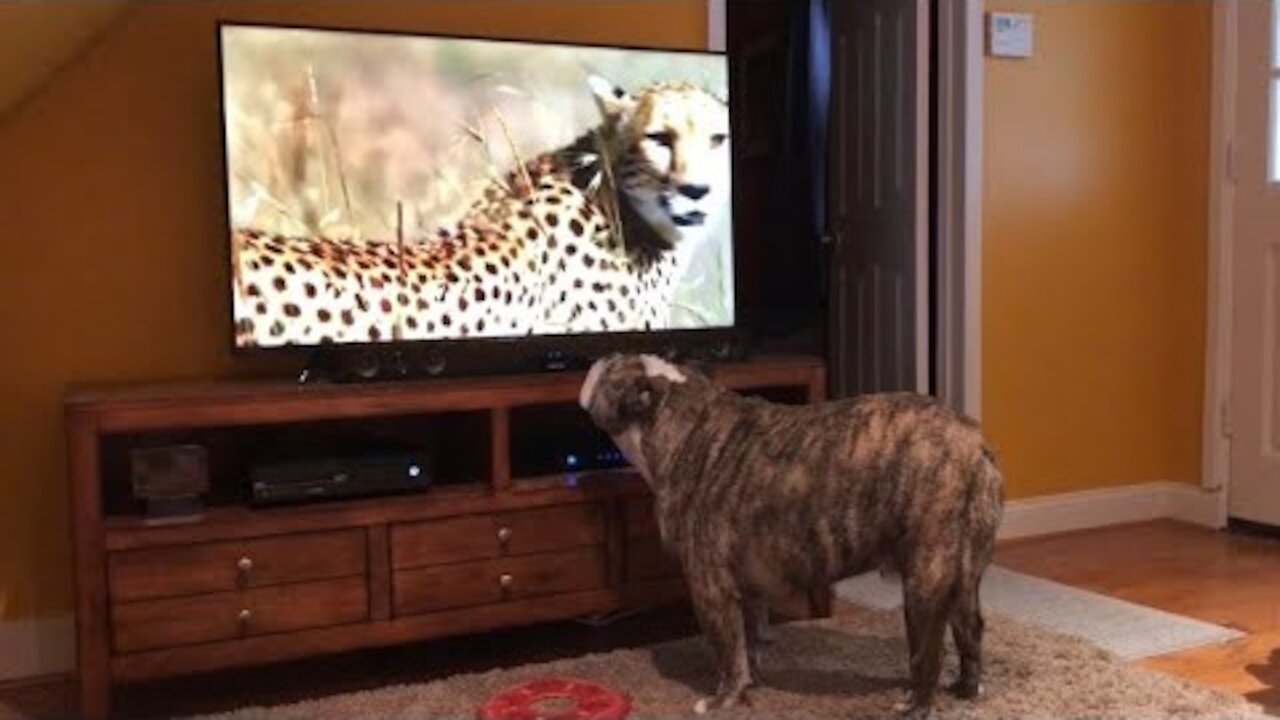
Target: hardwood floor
1224,578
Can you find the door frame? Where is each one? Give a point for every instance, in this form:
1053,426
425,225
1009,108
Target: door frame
1215,472
956,305
958,192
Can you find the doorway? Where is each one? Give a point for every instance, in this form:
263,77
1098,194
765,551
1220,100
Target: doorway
1254,408
833,174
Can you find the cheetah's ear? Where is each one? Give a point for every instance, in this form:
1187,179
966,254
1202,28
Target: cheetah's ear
614,102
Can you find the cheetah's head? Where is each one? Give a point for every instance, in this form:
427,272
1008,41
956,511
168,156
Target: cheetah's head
671,154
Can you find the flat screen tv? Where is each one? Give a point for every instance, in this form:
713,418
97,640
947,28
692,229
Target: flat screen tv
423,191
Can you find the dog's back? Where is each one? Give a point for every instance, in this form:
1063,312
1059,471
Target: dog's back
804,494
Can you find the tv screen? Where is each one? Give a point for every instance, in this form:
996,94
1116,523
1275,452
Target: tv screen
386,187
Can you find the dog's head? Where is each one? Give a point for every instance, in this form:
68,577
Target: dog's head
623,391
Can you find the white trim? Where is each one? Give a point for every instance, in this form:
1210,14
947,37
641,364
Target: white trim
1196,505
959,177
1215,445
716,33
923,164
1109,506
37,647
973,189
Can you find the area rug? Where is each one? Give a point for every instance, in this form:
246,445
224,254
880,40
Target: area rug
1127,630
850,666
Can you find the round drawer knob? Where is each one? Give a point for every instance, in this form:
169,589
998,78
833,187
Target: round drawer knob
506,580
244,564
504,535
244,617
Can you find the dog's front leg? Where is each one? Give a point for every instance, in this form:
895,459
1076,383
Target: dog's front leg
719,610
758,629
756,612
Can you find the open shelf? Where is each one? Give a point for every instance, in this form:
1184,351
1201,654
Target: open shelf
557,438
459,446
604,482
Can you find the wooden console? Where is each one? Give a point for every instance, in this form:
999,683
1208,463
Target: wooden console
501,538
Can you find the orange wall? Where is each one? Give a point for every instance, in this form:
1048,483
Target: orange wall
1094,256
1095,217
110,213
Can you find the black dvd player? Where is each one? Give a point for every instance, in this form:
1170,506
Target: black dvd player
352,476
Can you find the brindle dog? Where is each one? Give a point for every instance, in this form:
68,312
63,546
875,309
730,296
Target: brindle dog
760,501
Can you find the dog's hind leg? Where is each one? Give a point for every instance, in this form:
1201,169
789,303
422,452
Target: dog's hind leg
927,609
966,629
719,609
966,617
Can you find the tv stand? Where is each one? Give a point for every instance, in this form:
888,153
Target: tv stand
503,537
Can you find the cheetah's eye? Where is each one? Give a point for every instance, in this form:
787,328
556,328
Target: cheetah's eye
718,139
665,137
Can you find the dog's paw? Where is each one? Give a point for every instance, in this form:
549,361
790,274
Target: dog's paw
910,710
706,705
966,690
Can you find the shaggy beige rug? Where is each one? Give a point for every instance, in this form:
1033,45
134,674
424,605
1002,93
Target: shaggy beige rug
846,667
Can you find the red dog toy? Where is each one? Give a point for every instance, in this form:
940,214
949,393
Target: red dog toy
556,699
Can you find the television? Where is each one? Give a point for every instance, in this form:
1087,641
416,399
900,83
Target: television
488,202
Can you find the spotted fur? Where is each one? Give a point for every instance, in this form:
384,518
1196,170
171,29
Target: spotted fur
762,501
547,250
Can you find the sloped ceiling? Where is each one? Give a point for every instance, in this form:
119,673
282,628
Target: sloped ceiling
37,37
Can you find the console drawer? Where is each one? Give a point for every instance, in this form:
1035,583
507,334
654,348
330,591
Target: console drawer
639,518
230,565
170,622
426,589
477,537
647,559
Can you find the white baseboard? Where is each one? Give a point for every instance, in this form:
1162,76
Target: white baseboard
1109,506
37,647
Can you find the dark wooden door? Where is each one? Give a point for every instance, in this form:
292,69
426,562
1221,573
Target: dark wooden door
873,201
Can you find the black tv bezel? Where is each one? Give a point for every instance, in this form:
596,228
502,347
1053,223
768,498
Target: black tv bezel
480,355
